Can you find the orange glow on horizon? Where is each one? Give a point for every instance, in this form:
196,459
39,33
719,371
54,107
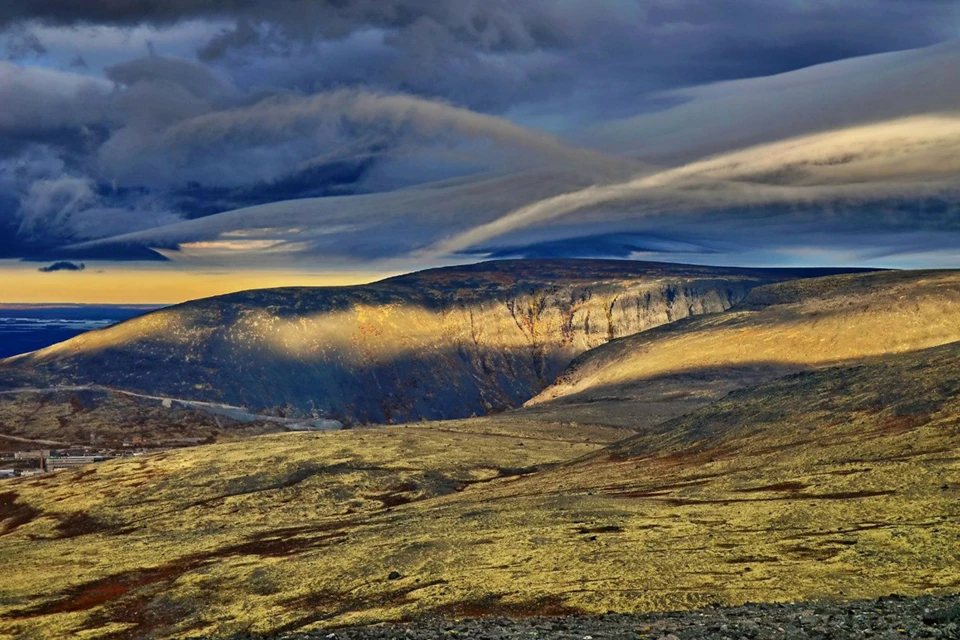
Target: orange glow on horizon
22,283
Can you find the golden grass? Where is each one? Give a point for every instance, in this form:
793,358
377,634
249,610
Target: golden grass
790,326
839,483
190,507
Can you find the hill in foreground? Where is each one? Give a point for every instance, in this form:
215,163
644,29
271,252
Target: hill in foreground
444,343
842,482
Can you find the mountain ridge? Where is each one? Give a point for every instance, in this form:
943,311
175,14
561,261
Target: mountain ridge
443,343
775,330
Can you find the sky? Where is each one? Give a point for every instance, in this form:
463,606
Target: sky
183,149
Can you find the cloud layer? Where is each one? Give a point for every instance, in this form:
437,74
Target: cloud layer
168,139
528,123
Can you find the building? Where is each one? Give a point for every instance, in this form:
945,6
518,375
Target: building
31,455
71,462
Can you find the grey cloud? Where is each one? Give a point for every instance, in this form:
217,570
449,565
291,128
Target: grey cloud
22,43
62,265
109,157
887,167
269,137
859,134
334,97
495,54
731,115
38,102
51,190
200,81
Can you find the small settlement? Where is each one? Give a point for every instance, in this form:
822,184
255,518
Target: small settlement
17,464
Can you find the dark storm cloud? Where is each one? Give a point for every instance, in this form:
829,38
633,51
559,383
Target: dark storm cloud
160,138
598,59
578,60
281,99
495,54
119,12
51,128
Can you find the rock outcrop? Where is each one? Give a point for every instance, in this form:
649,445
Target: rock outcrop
776,330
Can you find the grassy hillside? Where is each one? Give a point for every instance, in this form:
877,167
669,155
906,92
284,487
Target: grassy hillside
105,550
841,482
777,329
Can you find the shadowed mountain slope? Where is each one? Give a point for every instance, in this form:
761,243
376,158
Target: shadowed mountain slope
841,482
777,329
443,343
93,416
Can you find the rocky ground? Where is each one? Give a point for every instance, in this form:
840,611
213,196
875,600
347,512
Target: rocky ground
891,617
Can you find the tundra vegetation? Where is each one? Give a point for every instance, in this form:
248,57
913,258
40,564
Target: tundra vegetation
807,464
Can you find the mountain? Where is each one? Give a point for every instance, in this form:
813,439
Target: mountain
443,343
841,482
776,330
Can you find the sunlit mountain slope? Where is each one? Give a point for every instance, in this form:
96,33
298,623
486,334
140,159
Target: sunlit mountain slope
444,343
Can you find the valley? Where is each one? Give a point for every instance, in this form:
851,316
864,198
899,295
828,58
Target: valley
801,445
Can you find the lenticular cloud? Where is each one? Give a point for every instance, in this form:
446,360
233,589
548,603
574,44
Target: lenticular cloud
863,155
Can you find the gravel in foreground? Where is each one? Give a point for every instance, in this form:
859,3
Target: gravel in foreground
891,617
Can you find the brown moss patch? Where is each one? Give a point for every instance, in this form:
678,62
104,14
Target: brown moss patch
99,592
13,514
840,495
113,589
751,560
788,487
610,528
819,554
397,495
82,523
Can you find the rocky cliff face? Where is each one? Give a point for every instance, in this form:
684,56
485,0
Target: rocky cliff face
437,344
776,330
